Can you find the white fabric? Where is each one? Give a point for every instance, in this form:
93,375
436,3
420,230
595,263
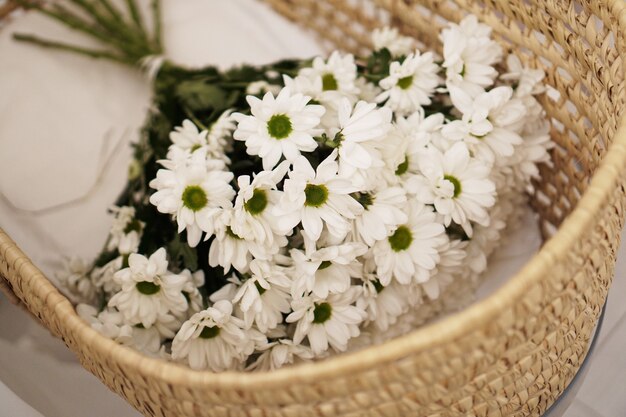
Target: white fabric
65,125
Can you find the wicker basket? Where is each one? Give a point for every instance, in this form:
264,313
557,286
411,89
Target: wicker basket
509,355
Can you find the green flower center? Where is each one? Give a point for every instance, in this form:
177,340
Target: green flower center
259,288
324,265
329,82
132,226
456,183
365,199
195,147
257,202
322,313
147,287
279,126
405,82
403,167
232,234
316,195
401,239
194,198
379,287
210,332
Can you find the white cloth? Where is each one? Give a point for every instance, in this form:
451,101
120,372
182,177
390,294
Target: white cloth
65,125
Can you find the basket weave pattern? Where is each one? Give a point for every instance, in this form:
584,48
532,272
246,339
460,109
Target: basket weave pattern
509,355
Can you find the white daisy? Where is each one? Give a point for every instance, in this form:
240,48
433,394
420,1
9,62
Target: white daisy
219,137
490,124
194,194
361,130
410,253
279,353
450,267
125,231
148,289
231,250
456,184
102,277
108,322
317,197
257,88
470,55
264,297
421,131
390,38
382,213
75,279
252,215
337,74
281,126
527,80
193,281
188,137
410,84
327,270
212,339
327,322
382,304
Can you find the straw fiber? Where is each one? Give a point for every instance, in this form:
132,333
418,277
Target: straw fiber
510,355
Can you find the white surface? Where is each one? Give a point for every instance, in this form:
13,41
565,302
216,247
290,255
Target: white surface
64,123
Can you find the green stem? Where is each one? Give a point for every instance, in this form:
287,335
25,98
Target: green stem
112,10
156,16
134,13
113,25
23,37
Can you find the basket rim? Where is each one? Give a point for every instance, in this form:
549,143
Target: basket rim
447,329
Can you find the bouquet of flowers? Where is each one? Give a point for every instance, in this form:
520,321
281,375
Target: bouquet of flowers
287,212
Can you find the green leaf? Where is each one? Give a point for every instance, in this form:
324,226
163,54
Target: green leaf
196,95
181,251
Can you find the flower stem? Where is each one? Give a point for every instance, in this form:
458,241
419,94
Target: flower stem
23,37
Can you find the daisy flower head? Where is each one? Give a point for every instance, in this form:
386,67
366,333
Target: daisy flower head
383,304
125,231
410,253
194,194
252,215
457,184
451,267
327,270
279,126
219,136
410,84
109,322
75,279
188,137
383,211
316,198
420,130
337,75
362,128
470,55
212,338
527,80
279,353
390,38
228,249
490,123
148,289
327,322
264,297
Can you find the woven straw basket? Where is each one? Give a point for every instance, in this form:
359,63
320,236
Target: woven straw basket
512,354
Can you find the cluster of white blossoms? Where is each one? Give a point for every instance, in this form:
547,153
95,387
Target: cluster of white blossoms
373,193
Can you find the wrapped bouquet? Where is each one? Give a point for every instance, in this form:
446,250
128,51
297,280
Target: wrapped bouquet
287,212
